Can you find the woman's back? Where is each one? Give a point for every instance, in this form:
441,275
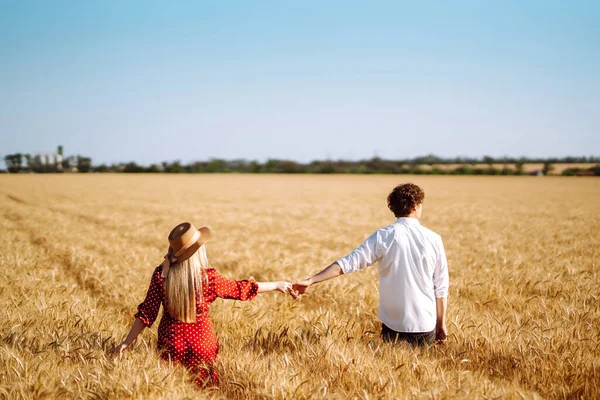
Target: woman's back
215,285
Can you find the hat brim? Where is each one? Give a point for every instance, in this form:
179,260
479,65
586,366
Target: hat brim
204,237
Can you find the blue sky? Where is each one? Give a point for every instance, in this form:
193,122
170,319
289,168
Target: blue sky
152,81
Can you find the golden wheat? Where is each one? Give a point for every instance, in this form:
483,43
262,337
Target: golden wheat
78,252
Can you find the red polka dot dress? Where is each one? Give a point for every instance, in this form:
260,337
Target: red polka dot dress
192,344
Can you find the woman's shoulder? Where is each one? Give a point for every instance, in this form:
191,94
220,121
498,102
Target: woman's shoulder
157,271
212,274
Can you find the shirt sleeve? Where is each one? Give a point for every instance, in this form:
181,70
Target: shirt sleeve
148,309
366,254
235,290
441,279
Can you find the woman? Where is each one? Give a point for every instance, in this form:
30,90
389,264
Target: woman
185,286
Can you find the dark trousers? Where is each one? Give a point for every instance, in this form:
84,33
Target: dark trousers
412,338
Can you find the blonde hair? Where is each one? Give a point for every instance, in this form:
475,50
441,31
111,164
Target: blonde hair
184,283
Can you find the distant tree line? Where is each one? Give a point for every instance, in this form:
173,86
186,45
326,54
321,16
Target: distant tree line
429,164
593,171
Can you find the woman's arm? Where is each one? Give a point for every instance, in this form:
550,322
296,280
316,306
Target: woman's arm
244,289
147,312
135,330
282,286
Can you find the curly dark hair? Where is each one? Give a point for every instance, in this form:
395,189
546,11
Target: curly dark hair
404,198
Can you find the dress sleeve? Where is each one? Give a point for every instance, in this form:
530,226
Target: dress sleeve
232,289
148,309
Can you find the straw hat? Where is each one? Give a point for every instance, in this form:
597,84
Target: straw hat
184,240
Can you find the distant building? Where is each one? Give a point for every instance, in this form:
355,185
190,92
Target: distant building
47,162
537,172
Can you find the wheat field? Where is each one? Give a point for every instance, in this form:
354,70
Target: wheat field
79,250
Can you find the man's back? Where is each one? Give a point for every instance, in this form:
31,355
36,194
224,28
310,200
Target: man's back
413,272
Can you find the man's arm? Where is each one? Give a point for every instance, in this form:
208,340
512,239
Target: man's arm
329,272
361,257
441,282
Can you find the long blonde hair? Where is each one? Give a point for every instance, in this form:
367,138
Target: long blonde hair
184,283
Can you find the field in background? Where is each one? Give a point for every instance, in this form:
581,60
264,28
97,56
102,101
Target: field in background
79,250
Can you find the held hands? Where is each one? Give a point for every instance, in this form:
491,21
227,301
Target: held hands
300,288
286,287
332,271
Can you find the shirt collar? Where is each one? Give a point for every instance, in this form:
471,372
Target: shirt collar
408,220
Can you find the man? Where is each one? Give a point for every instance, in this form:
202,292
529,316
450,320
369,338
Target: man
413,272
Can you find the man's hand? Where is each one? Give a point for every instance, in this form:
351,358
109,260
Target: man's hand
441,332
440,327
301,287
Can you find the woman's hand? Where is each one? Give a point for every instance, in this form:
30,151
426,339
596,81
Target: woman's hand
118,350
283,286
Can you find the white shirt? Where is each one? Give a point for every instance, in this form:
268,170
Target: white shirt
413,272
